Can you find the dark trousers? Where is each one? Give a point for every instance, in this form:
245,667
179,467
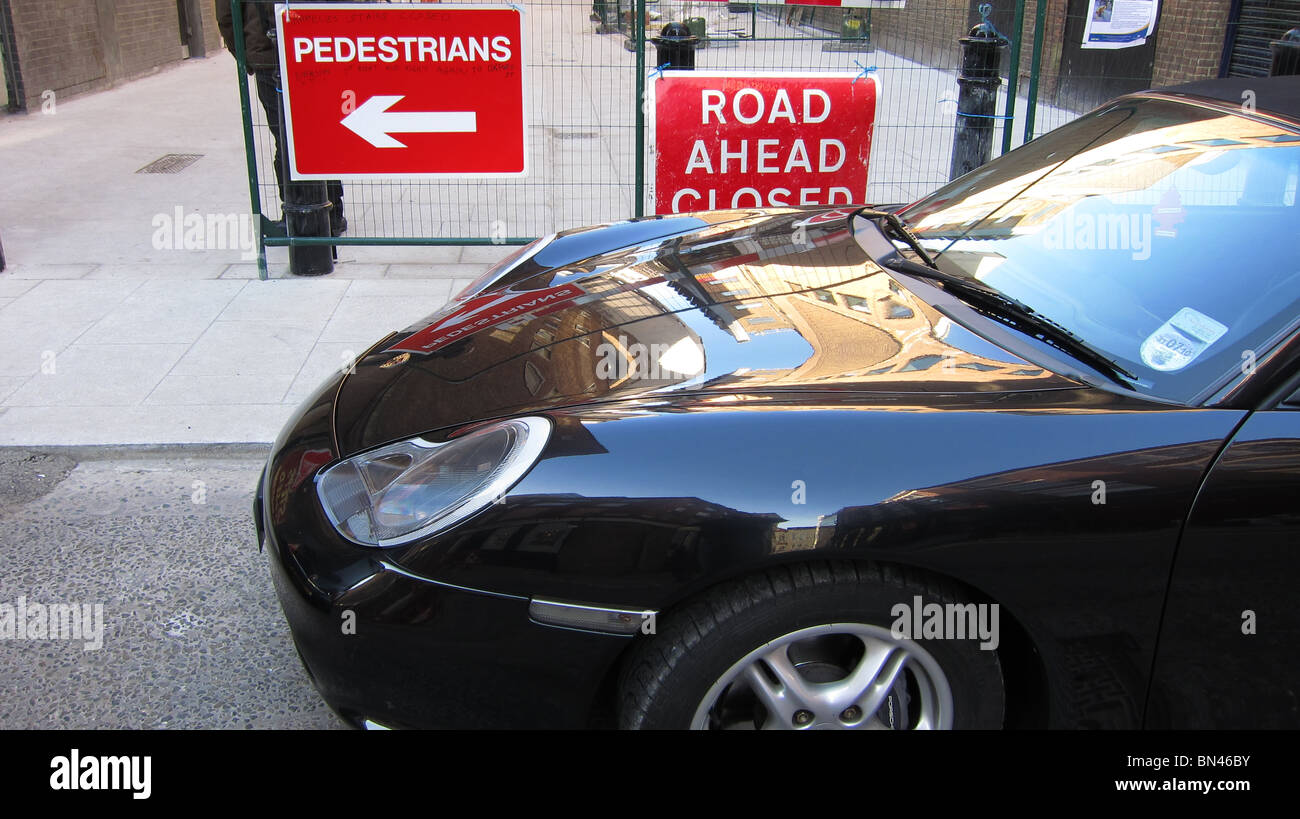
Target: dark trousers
268,91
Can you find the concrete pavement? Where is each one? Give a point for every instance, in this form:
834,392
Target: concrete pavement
110,336
190,634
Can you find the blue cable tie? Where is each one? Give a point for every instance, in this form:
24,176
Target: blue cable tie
985,9
974,116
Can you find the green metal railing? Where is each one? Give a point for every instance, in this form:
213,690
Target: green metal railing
588,116
246,111
1036,62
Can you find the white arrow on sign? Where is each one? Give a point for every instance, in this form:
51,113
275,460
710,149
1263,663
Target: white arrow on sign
373,122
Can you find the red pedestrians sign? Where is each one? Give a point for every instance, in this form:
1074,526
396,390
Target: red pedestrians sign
735,140
485,312
403,91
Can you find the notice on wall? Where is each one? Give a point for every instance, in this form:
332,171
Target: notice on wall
1119,23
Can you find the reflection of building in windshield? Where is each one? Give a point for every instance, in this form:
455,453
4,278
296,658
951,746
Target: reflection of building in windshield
1137,168
860,323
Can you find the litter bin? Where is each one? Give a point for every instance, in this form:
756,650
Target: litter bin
675,46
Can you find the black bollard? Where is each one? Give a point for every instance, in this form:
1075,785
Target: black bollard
675,46
306,204
2,256
605,14
1286,55
307,213
977,98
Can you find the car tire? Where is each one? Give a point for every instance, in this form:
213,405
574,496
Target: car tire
803,646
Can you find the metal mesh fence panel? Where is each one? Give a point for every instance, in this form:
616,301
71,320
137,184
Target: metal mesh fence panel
912,139
581,143
582,85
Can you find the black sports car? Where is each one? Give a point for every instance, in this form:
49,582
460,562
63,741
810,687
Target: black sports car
1023,453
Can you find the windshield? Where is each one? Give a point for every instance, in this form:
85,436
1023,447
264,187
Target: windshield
1160,233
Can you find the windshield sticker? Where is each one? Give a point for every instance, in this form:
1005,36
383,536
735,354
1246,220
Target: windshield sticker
1180,340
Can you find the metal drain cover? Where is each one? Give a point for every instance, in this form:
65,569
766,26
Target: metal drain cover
171,163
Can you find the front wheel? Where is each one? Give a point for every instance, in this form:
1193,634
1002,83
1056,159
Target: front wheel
810,647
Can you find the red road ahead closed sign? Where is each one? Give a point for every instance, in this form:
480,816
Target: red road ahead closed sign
731,140
404,91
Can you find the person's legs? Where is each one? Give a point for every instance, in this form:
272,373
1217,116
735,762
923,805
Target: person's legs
269,93
338,223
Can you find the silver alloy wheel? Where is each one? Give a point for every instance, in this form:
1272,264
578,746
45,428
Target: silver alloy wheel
839,675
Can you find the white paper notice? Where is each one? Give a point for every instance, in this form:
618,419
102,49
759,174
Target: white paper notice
1119,23
1178,342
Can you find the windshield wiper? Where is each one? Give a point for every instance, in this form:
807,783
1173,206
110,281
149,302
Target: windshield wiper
991,302
893,227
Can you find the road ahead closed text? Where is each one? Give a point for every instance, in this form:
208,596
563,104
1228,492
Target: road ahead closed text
737,141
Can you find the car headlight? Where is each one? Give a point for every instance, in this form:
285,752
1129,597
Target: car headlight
401,492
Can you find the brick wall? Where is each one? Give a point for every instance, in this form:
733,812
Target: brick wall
211,34
1189,40
58,46
926,31
70,46
1053,42
148,34
1189,36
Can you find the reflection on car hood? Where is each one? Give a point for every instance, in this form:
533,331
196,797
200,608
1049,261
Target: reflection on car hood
781,300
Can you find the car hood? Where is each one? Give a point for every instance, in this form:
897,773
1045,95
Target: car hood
752,302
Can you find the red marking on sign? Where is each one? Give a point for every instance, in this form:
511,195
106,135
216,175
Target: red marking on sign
310,461
761,140
405,91
483,313
828,217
